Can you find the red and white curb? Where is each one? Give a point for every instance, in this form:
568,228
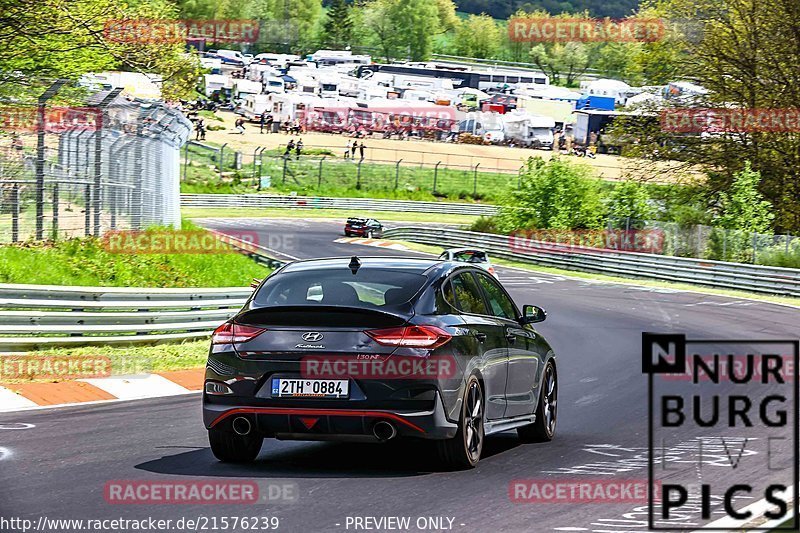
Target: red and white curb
36,395
379,243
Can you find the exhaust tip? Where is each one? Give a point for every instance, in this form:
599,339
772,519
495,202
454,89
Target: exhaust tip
384,431
241,426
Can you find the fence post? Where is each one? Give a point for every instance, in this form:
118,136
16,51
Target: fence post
15,213
185,159
358,175
40,153
260,165
397,173
220,163
725,245
755,243
475,181
319,176
237,160
55,211
87,219
435,175
98,160
255,155
788,239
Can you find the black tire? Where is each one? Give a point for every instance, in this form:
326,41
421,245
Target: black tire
229,447
544,429
463,451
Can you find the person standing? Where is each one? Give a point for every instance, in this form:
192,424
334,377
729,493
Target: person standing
361,150
239,124
200,126
298,149
263,121
270,120
348,148
289,147
353,148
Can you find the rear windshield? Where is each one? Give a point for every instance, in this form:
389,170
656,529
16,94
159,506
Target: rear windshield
470,256
368,288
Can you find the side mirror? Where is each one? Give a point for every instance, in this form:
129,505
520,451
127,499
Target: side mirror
255,283
532,314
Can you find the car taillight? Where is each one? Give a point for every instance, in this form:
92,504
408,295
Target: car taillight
429,337
230,333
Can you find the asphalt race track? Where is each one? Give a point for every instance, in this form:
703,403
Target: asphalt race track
59,467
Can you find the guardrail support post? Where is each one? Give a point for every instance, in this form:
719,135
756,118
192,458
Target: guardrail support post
475,181
397,174
319,175
15,213
55,211
435,175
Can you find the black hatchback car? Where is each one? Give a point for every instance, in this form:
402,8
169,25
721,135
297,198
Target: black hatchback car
373,349
363,227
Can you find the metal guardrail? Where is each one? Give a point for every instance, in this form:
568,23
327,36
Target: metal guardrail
755,278
46,316
315,202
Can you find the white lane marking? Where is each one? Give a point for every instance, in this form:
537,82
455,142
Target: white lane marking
11,401
5,453
588,380
17,425
133,387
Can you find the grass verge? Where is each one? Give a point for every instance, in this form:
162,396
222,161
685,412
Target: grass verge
89,262
340,214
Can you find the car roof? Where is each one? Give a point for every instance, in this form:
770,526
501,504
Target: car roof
408,264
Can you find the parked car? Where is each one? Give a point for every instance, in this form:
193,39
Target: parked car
475,257
363,227
266,374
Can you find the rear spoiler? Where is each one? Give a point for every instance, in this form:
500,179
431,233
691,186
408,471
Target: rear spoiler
325,315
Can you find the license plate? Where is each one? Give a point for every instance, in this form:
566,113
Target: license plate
310,388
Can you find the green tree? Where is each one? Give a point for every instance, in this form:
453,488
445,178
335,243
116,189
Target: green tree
478,36
292,25
407,28
744,207
553,194
338,26
629,201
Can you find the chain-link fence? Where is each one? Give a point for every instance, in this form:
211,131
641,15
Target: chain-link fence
111,163
209,168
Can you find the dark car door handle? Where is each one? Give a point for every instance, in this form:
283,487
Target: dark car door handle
510,337
480,336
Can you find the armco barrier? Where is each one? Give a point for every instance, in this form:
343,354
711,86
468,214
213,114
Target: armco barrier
755,278
45,316
316,202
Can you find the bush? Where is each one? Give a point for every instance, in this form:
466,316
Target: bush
553,194
484,225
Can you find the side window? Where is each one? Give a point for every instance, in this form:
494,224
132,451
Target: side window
467,295
499,303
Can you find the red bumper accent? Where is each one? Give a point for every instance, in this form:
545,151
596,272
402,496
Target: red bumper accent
313,412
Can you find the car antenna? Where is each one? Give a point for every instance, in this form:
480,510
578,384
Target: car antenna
355,264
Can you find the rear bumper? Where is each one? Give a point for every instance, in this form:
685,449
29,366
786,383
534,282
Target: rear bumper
307,423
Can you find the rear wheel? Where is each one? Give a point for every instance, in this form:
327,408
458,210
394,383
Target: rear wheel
544,428
229,447
464,450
